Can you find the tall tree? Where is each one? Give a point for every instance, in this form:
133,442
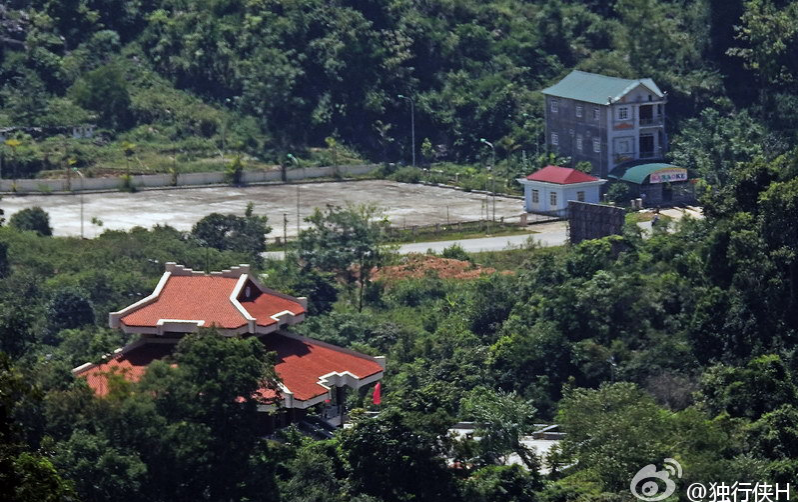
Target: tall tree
346,241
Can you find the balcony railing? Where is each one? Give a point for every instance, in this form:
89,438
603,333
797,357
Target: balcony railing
648,154
653,121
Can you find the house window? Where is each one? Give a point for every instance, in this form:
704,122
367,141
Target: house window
535,196
555,105
595,113
555,138
580,196
596,145
579,111
579,142
623,145
623,113
553,199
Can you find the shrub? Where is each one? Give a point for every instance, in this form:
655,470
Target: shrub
619,192
456,252
34,219
407,175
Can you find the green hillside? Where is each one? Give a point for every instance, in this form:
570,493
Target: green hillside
190,83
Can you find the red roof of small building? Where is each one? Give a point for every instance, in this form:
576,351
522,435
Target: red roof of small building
561,176
300,364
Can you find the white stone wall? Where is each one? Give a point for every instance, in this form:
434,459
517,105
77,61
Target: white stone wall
186,179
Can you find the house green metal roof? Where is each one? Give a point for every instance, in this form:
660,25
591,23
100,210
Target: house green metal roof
638,174
598,89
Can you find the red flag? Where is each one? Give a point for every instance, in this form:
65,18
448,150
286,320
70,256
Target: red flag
376,398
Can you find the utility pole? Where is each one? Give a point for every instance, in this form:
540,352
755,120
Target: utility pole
81,199
297,212
490,170
412,124
285,228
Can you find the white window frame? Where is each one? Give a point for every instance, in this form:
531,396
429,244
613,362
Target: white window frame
596,114
623,113
555,105
596,145
580,196
553,199
579,142
535,196
579,111
555,139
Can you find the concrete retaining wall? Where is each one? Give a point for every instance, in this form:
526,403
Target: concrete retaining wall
186,179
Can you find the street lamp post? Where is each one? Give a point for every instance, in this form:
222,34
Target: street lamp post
490,169
81,199
296,162
412,124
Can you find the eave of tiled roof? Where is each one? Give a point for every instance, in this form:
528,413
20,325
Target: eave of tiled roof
307,368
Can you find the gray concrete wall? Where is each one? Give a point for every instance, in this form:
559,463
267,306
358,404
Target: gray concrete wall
186,179
569,127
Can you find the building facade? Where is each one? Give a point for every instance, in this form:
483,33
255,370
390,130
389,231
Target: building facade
606,121
548,190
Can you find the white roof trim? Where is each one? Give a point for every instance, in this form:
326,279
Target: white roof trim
242,279
122,350
115,318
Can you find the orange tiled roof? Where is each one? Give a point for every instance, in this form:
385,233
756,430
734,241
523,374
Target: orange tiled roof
131,365
207,298
299,365
262,306
201,297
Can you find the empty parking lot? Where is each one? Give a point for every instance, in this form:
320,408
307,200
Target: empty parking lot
404,204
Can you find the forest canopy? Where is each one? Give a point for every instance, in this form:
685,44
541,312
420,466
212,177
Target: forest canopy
269,77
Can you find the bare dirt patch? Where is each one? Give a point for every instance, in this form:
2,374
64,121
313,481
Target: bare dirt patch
415,266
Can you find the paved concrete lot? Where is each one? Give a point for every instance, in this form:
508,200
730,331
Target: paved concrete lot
404,204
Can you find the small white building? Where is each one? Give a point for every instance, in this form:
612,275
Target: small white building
548,190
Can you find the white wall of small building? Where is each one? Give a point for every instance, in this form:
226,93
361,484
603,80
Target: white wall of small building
564,193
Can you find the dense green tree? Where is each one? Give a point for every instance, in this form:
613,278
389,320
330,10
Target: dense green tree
24,475
209,401
98,470
389,460
69,309
345,241
34,219
105,91
501,484
245,234
502,419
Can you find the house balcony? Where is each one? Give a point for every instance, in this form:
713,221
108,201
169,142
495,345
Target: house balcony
651,122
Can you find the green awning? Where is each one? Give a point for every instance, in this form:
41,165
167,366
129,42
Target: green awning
640,173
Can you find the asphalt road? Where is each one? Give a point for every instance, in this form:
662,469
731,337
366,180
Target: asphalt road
546,234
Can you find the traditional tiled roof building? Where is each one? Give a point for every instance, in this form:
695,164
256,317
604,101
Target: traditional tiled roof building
235,302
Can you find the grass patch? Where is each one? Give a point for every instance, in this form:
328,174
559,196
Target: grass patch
515,259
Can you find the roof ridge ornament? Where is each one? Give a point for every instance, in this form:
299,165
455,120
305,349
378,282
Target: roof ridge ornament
182,270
